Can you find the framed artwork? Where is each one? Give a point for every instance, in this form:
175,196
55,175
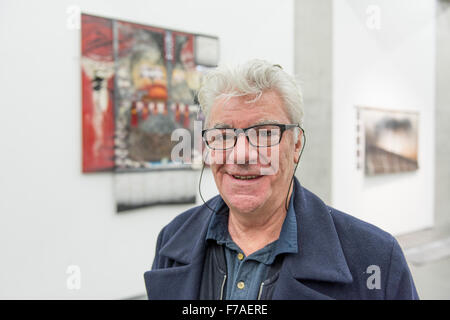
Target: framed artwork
138,87
390,140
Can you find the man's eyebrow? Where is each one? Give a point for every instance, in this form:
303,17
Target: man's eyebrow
221,125
267,122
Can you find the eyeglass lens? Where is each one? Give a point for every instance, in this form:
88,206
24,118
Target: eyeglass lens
260,136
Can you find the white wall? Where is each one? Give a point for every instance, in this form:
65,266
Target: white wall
442,125
393,68
51,215
313,66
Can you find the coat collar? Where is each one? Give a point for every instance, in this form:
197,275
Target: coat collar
187,248
189,240
320,256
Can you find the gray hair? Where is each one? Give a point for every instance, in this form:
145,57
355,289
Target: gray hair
251,78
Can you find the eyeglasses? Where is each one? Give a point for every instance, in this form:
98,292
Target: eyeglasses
261,135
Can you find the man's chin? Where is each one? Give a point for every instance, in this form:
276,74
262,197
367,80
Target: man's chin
245,204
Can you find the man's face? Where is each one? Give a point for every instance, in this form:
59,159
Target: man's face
267,192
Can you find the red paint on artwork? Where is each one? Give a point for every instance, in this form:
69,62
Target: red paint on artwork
187,121
97,87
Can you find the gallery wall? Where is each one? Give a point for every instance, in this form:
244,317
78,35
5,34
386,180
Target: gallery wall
442,161
383,56
55,221
313,69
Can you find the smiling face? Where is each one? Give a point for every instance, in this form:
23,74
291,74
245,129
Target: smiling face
239,172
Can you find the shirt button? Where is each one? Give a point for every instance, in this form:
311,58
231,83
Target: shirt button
240,256
241,285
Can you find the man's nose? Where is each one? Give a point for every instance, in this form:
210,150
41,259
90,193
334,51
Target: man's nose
243,152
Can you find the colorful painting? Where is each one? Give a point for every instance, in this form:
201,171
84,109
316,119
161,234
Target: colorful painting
390,139
139,84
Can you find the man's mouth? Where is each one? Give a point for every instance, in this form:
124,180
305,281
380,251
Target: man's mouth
245,177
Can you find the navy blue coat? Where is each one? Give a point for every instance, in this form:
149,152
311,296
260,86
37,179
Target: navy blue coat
339,257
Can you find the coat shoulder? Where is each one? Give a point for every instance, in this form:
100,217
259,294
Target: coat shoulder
363,244
180,220
366,248
352,228
191,219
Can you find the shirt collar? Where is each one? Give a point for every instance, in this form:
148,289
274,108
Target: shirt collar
287,242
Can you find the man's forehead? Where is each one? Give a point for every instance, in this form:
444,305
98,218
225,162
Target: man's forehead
252,99
242,112
232,124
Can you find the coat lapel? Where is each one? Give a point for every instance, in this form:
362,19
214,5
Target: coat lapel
320,256
187,248
177,283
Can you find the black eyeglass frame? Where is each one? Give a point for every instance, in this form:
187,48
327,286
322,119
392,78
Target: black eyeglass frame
283,128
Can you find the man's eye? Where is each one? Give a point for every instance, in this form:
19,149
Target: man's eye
265,133
227,136
223,136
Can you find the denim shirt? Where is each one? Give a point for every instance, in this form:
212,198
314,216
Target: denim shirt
245,274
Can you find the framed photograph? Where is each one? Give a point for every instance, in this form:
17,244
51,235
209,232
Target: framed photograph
390,140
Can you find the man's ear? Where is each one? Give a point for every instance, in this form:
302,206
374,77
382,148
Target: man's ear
298,144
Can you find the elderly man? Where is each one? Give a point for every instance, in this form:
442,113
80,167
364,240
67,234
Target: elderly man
265,236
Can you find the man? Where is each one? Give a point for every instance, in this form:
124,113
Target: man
265,236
